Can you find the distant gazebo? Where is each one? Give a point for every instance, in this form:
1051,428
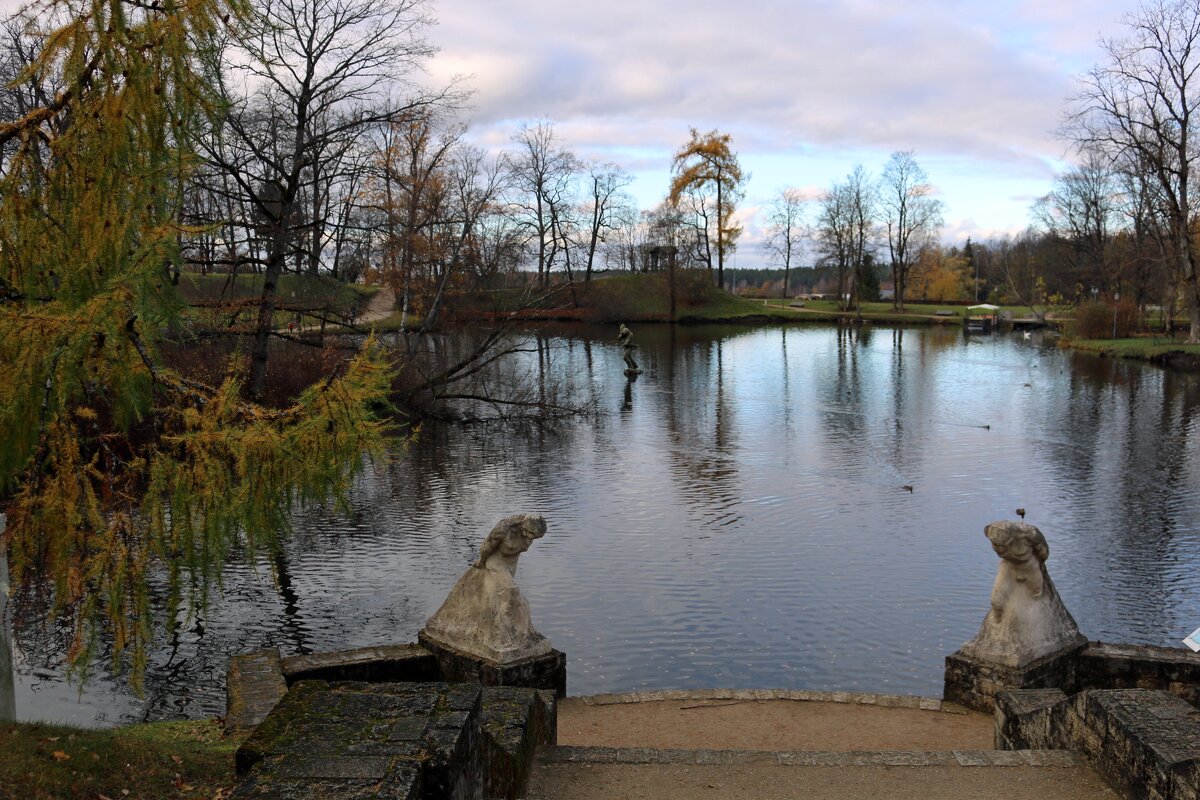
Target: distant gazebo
659,256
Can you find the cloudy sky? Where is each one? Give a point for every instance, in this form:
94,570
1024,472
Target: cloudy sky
807,88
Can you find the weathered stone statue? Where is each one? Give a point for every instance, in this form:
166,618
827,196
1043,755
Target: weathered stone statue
625,339
485,615
1027,620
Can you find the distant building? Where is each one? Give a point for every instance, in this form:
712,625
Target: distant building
659,256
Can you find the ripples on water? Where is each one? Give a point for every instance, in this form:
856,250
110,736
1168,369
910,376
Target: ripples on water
737,517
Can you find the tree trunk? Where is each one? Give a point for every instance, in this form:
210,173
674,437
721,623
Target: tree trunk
1187,264
8,699
266,312
720,243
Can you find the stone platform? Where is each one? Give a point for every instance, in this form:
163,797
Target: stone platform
1097,665
410,741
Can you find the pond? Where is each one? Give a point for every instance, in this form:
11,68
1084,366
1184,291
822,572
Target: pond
739,516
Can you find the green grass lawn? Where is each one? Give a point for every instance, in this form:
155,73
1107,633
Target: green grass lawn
168,760
911,309
624,297
1147,348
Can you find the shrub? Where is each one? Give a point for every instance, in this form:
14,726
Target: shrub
693,287
1094,320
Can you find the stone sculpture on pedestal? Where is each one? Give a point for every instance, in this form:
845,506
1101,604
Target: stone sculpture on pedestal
625,339
1027,620
483,631
1028,640
485,613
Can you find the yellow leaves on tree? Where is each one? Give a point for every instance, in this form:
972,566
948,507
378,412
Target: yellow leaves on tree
939,277
707,162
115,468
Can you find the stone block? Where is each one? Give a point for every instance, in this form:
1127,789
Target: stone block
1025,719
346,740
514,722
974,683
1151,739
403,783
385,663
254,684
542,672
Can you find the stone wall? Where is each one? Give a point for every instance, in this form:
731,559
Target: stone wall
1097,665
332,725
1145,742
542,672
1129,666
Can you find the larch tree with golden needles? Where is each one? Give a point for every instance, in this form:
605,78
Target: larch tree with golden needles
115,467
707,161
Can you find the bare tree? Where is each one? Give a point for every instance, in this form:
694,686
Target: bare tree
835,233
474,183
1083,210
605,202
21,89
1140,107
411,185
541,175
846,232
322,72
912,214
786,230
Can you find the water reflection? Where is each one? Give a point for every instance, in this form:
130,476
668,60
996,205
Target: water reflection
739,515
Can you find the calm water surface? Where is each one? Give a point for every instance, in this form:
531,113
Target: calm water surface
737,517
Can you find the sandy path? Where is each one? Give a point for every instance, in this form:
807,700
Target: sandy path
382,306
769,725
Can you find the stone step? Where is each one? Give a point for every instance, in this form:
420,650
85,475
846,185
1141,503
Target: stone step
566,754
602,773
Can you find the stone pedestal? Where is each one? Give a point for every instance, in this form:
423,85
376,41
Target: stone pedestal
547,671
974,683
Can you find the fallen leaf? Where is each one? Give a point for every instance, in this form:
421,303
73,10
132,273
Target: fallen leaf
125,793
177,759
59,755
187,787
53,738
103,797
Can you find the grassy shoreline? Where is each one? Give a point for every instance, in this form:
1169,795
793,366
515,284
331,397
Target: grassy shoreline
167,760
1152,349
640,298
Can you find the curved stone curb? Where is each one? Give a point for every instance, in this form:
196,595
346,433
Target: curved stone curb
857,698
563,754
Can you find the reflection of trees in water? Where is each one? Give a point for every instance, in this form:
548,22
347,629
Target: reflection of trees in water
177,668
841,393
699,420
899,409
1127,452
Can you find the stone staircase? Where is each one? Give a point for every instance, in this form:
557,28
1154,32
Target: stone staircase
602,754
596,773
